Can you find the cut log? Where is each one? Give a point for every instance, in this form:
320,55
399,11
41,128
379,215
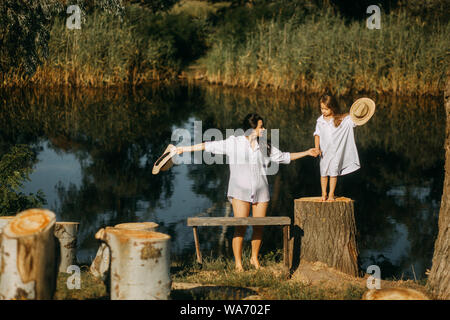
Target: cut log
66,233
100,265
28,269
140,264
4,220
326,232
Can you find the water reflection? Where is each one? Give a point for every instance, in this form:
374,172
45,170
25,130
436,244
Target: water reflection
96,150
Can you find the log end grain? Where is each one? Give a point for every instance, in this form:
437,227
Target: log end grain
127,234
29,222
137,225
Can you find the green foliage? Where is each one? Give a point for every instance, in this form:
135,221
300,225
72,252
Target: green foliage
24,33
166,40
25,29
15,167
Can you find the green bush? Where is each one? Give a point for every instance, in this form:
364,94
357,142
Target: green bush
15,167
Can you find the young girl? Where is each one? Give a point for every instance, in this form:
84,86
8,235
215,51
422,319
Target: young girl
335,142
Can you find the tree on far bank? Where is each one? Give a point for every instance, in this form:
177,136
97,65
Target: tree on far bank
24,33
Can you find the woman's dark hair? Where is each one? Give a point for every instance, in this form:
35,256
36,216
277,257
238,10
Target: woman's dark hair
251,122
330,102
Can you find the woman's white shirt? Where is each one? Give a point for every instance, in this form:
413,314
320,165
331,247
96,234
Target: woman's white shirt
248,167
339,153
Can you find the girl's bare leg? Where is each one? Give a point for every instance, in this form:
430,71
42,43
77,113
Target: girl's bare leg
241,209
333,182
323,184
258,210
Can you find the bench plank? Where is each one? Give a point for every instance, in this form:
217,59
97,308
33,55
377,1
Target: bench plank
232,221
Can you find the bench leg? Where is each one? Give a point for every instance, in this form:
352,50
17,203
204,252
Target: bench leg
197,245
286,230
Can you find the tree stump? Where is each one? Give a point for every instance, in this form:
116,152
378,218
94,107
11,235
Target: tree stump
100,265
66,233
327,233
140,264
28,269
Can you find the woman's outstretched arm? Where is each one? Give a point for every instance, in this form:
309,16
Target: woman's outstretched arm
196,147
310,152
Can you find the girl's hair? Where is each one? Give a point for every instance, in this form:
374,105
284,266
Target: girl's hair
251,122
330,102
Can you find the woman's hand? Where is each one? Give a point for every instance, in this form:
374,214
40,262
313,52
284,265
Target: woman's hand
319,152
180,150
313,152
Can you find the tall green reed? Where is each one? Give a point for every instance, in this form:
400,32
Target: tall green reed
403,57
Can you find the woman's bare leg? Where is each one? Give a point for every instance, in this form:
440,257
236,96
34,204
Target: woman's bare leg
333,182
323,184
241,209
258,210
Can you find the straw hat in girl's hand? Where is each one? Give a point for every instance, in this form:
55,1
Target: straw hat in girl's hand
165,161
362,110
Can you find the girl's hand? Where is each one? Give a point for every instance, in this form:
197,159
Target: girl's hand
313,152
319,152
180,150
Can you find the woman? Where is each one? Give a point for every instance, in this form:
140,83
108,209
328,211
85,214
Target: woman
248,187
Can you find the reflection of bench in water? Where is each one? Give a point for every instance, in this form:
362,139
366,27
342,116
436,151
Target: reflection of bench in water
285,222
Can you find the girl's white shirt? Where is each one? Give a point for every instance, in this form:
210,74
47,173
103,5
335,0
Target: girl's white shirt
339,153
248,167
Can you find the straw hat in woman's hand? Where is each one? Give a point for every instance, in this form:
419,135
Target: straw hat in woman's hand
165,161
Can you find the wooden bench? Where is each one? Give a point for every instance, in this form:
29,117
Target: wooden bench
285,222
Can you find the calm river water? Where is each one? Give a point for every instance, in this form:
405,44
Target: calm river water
95,151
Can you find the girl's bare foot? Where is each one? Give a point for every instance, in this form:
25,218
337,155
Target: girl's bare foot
324,197
239,268
255,263
331,197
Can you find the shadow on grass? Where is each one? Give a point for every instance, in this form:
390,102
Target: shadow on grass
212,293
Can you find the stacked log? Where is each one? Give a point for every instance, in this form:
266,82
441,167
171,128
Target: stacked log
140,264
28,269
